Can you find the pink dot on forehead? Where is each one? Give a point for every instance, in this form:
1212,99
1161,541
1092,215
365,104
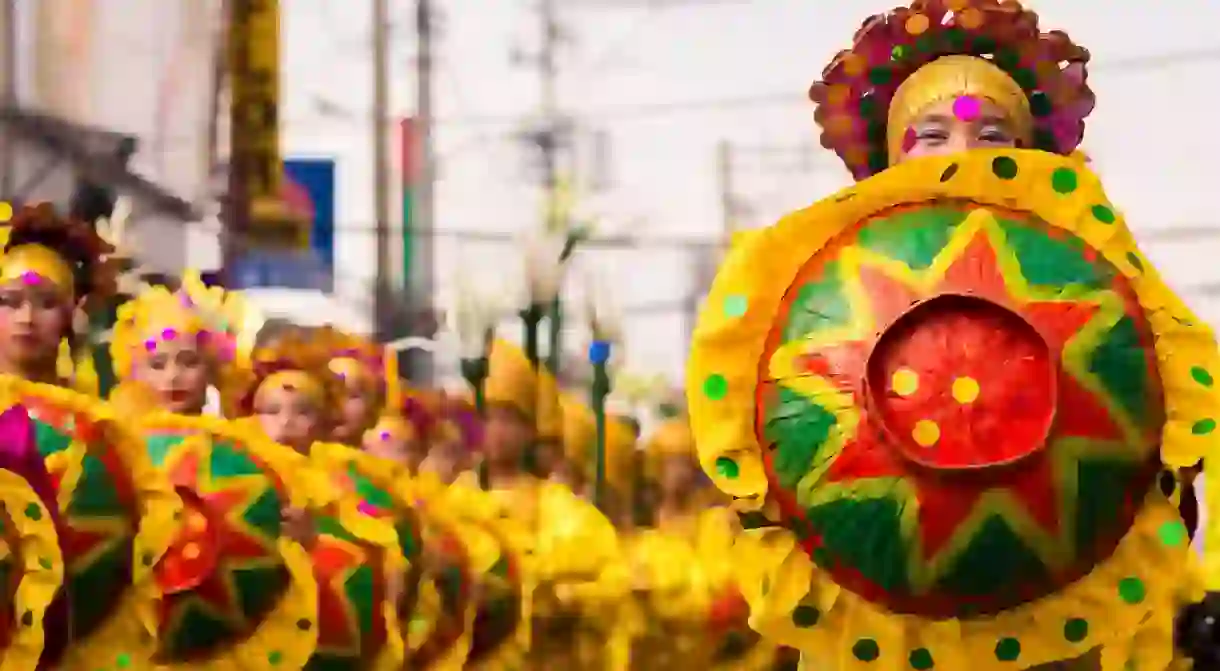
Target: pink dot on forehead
150,345
30,278
385,435
967,108
169,334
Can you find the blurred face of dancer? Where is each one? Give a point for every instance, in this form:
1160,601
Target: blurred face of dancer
677,474
938,131
446,460
178,373
357,412
508,433
34,317
289,416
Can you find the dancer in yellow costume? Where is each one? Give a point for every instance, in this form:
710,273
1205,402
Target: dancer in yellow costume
693,613
572,546
51,268
580,613
178,343
948,444
293,396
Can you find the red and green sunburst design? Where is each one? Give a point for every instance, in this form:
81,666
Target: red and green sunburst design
379,503
453,583
223,574
100,519
961,407
351,589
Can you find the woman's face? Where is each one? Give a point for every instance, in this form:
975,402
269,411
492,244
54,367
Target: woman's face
356,411
34,317
953,126
508,434
178,372
289,416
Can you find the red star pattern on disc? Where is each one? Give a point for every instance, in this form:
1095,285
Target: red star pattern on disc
334,561
945,503
224,500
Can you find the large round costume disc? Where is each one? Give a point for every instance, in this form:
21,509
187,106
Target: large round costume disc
961,407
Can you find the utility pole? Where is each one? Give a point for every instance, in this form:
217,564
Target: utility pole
548,138
724,180
383,295
8,70
419,251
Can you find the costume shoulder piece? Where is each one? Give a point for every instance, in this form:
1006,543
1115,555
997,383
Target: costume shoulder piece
234,589
113,506
948,391
33,624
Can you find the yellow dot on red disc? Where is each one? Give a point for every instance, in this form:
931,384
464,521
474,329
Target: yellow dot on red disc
6,212
190,551
926,432
199,523
965,390
904,382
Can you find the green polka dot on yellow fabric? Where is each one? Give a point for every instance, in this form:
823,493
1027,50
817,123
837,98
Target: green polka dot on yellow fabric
1008,649
275,658
1064,181
1172,534
920,659
715,387
1131,590
736,306
727,468
805,616
866,650
1075,630
1104,214
1135,261
1200,375
33,511
1203,427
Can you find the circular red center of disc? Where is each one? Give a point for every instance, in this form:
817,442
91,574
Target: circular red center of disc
963,383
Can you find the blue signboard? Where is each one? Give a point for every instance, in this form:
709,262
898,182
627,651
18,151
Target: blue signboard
309,191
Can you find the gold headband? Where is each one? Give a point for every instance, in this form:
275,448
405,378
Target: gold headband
24,261
295,380
350,368
950,77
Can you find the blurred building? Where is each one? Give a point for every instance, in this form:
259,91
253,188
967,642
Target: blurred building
98,104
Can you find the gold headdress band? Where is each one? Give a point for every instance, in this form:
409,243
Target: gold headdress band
948,78
295,380
34,260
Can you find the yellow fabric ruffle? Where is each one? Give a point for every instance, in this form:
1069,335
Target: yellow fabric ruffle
795,604
288,636
126,629
41,570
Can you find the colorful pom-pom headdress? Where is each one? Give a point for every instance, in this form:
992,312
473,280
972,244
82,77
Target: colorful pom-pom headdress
209,315
910,57
300,360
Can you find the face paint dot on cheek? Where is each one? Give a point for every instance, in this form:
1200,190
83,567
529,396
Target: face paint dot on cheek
908,140
967,108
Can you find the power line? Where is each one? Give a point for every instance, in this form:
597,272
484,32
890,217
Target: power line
789,98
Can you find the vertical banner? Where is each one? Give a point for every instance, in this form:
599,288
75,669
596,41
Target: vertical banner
309,193
254,54
408,159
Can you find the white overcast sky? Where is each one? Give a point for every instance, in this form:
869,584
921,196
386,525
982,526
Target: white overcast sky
1153,137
